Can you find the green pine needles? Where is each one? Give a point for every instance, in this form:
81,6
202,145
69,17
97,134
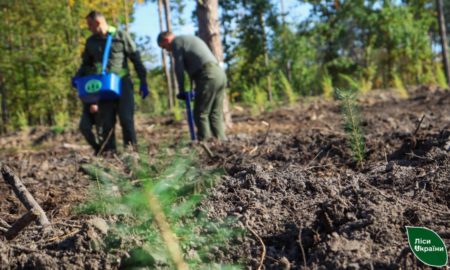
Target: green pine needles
157,211
352,124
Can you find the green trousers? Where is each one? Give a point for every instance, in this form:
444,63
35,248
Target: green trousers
87,122
210,87
124,108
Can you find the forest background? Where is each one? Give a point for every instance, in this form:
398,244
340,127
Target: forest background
269,59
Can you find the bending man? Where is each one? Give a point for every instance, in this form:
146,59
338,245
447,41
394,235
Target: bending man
192,55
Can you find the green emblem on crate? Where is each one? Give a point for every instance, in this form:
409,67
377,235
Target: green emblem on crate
427,246
93,86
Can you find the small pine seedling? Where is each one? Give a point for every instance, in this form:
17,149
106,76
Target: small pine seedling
352,124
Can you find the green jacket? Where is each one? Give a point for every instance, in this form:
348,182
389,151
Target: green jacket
191,54
122,47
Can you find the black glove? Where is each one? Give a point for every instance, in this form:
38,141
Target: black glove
143,90
184,95
181,96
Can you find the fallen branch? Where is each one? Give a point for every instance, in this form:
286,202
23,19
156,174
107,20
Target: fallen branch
23,194
21,223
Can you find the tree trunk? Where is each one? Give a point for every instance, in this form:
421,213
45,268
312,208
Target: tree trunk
266,56
74,35
127,20
27,92
208,26
169,28
209,31
226,33
443,34
4,108
167,15
164,60
285,46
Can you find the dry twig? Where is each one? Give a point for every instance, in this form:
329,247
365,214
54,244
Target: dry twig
301,245
59,237
105,142
207,150
418,125
263,255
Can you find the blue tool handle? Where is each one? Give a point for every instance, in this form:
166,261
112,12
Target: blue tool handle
106,53
190,116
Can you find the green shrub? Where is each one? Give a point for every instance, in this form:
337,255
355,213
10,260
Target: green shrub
327,86
440,78
286,88
62,120
20,121
399,87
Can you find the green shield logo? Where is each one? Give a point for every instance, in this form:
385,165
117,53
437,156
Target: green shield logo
93,86
427,246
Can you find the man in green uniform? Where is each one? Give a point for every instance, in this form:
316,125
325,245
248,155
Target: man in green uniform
122,48
192,55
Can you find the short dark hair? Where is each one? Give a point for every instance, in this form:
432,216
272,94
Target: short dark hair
94,14
163,35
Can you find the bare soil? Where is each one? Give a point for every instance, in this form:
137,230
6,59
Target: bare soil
290,181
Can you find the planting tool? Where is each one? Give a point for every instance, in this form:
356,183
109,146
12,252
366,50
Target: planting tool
188,97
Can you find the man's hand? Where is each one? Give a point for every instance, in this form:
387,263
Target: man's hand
74,81
184,95
181,96
93,108
143,90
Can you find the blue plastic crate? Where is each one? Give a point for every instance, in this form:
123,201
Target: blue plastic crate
93,88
